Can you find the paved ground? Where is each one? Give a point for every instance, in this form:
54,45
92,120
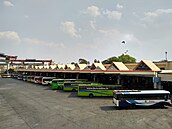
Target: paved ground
28,106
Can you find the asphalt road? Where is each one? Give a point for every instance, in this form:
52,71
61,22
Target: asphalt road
28,106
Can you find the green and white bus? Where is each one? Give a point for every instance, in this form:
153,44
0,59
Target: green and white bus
73,86
57,84
97,90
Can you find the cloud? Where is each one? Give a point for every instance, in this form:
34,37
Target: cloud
118,6
10,35
93,24
26,16
151,14
113,14
43,43
156,13
93,11
69,28
14,37
164,11
8,3
114,35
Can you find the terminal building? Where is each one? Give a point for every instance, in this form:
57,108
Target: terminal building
143,75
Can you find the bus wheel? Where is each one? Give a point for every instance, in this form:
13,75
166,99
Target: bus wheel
161,105
91,95
133,105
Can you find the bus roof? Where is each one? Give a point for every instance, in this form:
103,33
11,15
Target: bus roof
101,85
141,92
68,79
38,76
85,82
48,77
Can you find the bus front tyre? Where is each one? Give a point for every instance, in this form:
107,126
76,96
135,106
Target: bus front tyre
133,105
91,95
161,105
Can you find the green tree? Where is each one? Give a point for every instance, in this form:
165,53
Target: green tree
126,59
83,61
122,58
110,60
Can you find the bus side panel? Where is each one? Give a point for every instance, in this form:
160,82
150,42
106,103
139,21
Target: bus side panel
83,93
95,92
103,93
70,88
142,103
124,104
57,86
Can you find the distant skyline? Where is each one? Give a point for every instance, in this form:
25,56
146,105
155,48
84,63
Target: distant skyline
65,31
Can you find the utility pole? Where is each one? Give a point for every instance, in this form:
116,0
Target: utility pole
166,56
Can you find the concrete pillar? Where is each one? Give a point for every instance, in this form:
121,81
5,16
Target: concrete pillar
118,79
77,76
94,78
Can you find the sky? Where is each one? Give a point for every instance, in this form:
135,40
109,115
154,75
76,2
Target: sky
67,30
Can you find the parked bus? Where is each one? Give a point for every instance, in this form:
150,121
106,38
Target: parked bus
24,77
32,79
73,86
97,90
133,98
38,79
20,77
29,78
47,80
57,84
5,75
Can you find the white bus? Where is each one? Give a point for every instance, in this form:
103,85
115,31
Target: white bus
134,98
38,79
47,80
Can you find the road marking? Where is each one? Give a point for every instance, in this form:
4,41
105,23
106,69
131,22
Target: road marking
5,88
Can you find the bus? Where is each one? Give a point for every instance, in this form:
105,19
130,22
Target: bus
47,80
57,84
38,79
24,78
140,98
73,86
97,90
32,79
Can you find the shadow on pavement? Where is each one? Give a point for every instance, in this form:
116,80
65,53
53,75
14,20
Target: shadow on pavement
73,95
107,108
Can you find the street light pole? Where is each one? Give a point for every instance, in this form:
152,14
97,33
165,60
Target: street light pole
166,56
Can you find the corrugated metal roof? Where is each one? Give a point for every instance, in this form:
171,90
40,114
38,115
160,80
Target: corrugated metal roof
53,66
99,66
61,66
120,66
149,64
70,66
166,71
81,66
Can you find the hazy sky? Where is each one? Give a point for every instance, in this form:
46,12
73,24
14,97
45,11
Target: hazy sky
66,30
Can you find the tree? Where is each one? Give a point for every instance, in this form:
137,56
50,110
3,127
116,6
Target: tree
110,60
83,61
126,59
122,58
73,63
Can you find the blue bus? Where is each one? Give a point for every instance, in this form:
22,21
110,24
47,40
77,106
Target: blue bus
143,98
